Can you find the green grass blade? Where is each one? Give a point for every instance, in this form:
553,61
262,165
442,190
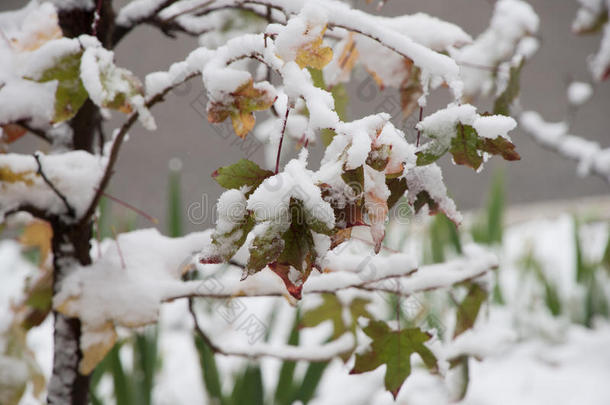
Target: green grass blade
174,207
284,389
209,370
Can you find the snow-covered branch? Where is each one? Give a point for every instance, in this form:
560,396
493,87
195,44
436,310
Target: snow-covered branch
590,156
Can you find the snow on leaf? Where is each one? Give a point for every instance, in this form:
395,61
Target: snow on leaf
109,86
265,248
7,175
466,135
332,309
394,349
243,102
425,185
243,173
70,94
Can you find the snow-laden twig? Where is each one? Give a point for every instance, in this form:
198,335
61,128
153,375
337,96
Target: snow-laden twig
59,194
318,353
590,156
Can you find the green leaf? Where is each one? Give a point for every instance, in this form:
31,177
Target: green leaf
394,349
242,173
504,100
464,147
331,309
355,179
427,157
468,309
70,94
467,147
397,187
229,243
265,248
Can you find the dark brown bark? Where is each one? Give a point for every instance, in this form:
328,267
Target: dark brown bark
67,386
71,238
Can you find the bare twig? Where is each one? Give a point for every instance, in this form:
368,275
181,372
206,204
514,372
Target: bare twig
116,147
125,204
69,207
279,148
34,131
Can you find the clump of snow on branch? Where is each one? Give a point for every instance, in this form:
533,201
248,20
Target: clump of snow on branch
512,22
74,174
589,155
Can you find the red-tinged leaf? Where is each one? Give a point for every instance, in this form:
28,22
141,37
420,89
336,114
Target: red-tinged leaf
394,349
283,271
500,146
11,132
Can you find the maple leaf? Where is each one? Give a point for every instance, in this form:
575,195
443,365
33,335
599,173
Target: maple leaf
243,173
313,54
394,349
244,101
332,309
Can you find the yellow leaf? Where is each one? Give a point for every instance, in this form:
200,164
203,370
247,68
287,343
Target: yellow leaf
38,234
313,54
99,343
245,100
35,39
349,56
9,176
243,122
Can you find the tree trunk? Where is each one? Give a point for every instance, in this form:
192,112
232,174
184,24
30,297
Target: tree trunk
67,386
71,241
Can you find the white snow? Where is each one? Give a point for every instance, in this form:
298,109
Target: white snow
579,93
74,174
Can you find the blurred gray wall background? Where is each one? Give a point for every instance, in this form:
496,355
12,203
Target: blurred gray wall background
183,131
